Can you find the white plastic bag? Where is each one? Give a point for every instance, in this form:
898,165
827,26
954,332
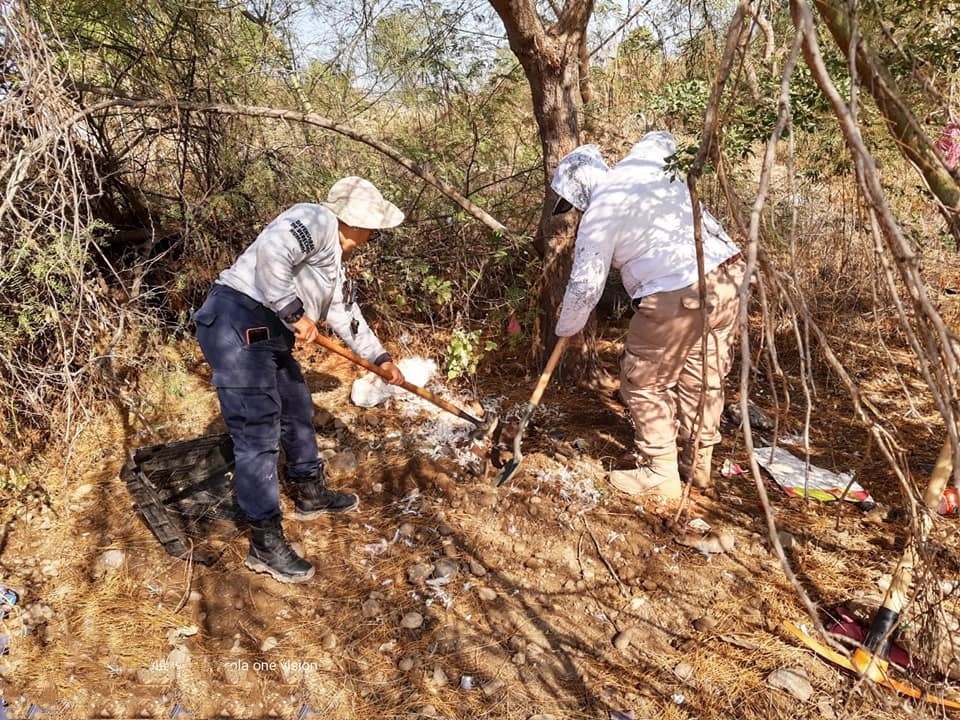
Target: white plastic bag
370,390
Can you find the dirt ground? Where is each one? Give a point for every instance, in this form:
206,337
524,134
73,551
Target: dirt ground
551,597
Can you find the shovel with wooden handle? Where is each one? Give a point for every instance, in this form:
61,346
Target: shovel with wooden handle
510,467
484,427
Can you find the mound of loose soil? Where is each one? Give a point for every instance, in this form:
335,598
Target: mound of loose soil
444,596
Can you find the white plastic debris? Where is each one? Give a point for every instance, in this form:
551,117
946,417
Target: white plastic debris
797,478
371,390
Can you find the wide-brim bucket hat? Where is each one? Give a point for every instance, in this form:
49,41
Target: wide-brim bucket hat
358,203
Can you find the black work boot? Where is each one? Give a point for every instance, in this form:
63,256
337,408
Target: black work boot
311,497
270,553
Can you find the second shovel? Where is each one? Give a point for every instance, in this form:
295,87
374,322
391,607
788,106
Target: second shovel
510,467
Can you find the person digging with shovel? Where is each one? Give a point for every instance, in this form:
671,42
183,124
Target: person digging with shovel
638,219
271,298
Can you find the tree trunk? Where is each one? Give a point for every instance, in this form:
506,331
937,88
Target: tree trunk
550,58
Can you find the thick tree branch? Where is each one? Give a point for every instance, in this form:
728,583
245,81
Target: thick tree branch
306,118
913,142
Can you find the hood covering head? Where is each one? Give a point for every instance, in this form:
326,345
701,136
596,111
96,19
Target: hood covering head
358,203
577,174
654,147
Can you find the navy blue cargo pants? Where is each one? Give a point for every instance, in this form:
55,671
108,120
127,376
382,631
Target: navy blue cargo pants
264,400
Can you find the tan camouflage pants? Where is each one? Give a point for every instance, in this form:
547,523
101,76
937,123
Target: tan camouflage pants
663,363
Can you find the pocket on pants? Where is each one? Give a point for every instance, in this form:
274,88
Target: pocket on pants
636,371
205,316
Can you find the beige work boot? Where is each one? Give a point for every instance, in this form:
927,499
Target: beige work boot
659,475
698,474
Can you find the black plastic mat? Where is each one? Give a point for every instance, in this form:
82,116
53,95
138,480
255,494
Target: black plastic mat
182,489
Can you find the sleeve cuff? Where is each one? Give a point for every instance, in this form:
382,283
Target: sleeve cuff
292,312
384,358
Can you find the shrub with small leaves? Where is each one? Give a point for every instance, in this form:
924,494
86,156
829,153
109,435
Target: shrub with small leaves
464,353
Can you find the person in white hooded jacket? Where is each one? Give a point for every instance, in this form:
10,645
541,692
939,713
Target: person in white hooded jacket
638,219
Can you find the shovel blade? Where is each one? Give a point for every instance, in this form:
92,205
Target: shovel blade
510,466
507,471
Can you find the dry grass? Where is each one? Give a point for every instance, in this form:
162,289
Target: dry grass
550,568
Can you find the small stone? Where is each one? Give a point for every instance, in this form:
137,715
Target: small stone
418,573
321,418
487,499
683,670
388,647
81,491
408,530
704,624
439,677
370,608
486,593
268,644
492,687
112,559
476,569
445,569
406,664
328,641
792,680
621,641
412,620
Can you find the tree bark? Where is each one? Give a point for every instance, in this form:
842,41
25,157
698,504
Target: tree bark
550,56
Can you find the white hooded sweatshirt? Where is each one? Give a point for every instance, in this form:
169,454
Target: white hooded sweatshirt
640,221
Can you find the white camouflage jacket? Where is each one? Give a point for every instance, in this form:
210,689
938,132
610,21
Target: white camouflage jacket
640,222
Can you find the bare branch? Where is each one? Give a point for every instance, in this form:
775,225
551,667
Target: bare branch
306,118
914,143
